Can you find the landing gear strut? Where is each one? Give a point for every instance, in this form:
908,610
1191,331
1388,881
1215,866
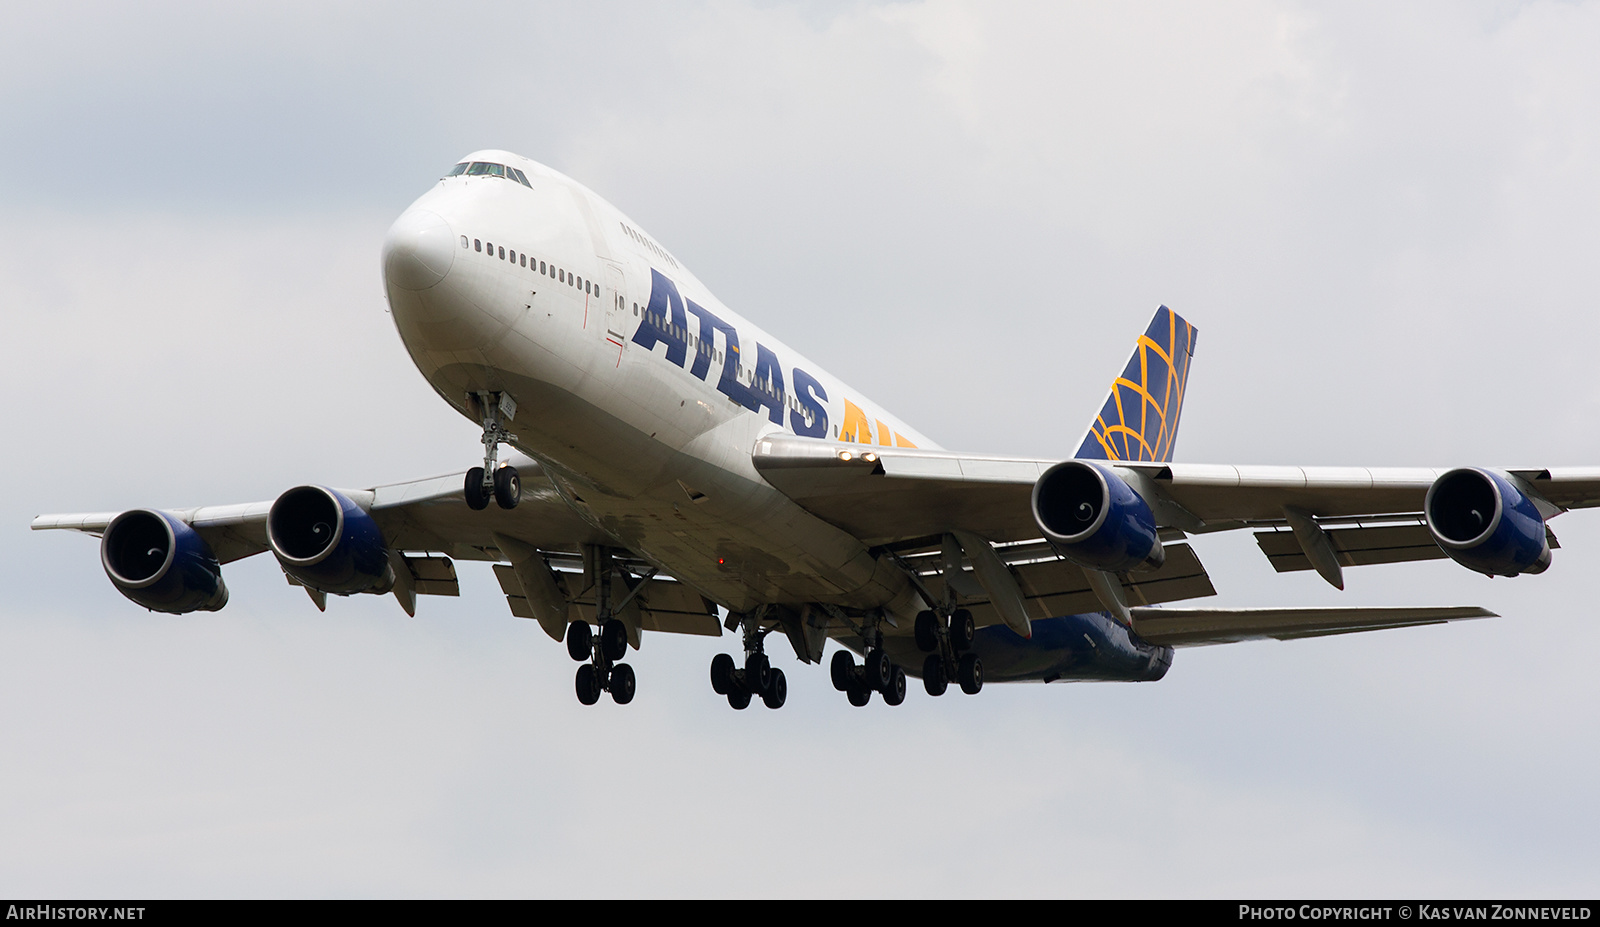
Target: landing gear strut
601,671
948,643
502,484
876,674
756,678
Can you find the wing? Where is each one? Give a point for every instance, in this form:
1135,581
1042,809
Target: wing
425,523
1322,518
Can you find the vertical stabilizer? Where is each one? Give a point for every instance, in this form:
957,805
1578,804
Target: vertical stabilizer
1139,420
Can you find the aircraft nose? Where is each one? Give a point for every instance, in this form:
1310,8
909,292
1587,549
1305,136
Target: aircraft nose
419,249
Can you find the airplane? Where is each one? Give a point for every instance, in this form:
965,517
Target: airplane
673,467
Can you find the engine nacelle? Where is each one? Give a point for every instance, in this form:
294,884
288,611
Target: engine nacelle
328,543
1096,519
1485,523
160,562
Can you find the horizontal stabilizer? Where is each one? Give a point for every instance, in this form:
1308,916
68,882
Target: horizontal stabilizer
1193,627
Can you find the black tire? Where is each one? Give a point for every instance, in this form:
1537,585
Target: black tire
614,639
757,674
472,488
507,487
739,699
962,630
778,692
933,677
970,674
859,695
927,631
879,670
895,692
580,640
722,674
588,684
843,670
623,684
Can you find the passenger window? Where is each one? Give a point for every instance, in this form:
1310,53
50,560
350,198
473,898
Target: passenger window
541,267
477,244
502,254
463,241
523,260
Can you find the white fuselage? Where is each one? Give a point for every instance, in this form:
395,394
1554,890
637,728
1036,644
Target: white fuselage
637,390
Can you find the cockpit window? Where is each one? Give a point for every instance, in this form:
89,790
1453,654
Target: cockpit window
522,177
484,167
458,169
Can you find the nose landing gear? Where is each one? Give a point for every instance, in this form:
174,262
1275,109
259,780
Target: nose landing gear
502,484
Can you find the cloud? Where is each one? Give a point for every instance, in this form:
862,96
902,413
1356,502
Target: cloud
1379,218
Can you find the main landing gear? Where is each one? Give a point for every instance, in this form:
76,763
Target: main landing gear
876,674
502,484
948,645
756,678
601,670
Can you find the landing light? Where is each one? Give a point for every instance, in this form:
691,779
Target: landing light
845,456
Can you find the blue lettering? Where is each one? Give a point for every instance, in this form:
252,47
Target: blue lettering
810,395
768,389
664,321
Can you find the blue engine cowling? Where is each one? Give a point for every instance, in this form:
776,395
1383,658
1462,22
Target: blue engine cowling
158,561
1485,523
328,543
1096,519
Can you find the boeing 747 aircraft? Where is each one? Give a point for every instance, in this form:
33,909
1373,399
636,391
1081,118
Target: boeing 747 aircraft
672,467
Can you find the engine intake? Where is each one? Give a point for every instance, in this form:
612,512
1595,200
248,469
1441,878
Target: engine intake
328,543
1485,523
1096,519
160,562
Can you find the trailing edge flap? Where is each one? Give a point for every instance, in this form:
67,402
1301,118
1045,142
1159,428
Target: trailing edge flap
1052,587
1192,627
1362,546
664,604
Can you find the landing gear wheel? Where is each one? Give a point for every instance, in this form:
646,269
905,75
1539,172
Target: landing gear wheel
588,684
842,669
895,692
970,674
859,696
580,640
927,634
722,674
622,683
962,630
778,692
614,639
757,674
739,699
472,488
507,487
933,678
879,670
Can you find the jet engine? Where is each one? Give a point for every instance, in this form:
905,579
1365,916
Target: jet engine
1095,519
328,543
1485,523
160,562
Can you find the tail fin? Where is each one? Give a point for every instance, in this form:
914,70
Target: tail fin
1140,418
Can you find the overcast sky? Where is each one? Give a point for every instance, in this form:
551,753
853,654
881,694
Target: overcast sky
1383,218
